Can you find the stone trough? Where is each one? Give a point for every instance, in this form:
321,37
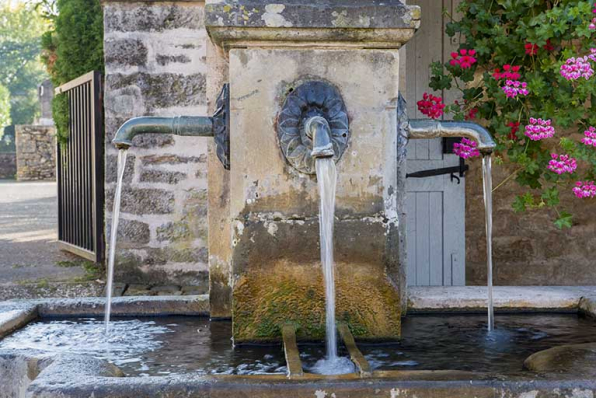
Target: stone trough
559,372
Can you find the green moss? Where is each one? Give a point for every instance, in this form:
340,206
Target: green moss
265,301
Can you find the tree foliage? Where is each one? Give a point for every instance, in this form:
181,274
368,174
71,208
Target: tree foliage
21,71
539,36
72,48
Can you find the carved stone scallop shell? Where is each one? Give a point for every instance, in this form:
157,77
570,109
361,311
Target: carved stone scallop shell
314,98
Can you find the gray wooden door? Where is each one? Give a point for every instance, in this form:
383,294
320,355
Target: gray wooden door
435,205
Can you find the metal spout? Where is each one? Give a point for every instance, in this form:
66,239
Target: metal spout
196,126
318,130
426,129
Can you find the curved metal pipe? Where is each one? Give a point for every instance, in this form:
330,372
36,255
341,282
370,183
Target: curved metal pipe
196,126
318,130
426,129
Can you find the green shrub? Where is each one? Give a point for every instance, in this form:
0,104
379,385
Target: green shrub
538,36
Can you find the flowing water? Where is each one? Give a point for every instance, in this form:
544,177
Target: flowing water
192,345
488,207
327,181
113,235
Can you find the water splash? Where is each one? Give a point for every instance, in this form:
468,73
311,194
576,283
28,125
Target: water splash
327,180
488,207
113,235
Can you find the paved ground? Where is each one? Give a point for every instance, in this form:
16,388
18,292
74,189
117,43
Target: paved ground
28,232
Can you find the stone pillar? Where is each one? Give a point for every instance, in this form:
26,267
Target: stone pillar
155,56
351,45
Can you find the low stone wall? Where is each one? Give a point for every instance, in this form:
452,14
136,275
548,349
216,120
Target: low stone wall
36,153
528,248
8,165
156,66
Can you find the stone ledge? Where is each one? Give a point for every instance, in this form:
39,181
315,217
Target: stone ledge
127,306
368,23
506,298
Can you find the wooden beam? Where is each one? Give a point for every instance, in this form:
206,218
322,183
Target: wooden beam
293,361
355,354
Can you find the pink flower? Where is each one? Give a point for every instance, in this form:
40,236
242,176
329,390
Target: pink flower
562,164
466,149
592,25
513,88
531,48
431,106
465,59
590,137
575,68
585,189
539,129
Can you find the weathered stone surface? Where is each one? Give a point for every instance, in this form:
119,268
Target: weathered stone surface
111,173
507,298
529,249
36,153
126,52
130,231
162,90
360,21
155,55
8,165
141,17
172,159
161,176
142,201
172,59
194,290
139,290
167,290
274,209
577,359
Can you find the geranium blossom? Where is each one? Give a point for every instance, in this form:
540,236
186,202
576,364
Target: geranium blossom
465,59
471,115
509,72
590,137
562,164
431,106
466,149
575,68
539,129
514,129
513,88
585,189
548,46
531,48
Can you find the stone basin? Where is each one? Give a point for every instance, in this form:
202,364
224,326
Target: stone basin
34,375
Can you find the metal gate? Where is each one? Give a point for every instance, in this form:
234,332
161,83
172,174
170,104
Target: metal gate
81,170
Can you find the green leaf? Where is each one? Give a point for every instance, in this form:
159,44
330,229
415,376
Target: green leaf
565,220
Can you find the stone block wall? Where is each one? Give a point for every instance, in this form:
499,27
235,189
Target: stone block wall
528,248
36,153
155,54
8,165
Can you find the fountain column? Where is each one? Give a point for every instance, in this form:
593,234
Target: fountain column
350,48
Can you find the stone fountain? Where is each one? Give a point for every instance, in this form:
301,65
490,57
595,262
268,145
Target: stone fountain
304,80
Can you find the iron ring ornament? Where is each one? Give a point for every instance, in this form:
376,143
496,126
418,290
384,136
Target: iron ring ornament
313,98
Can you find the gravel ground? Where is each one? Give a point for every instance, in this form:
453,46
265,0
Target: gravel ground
28,233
